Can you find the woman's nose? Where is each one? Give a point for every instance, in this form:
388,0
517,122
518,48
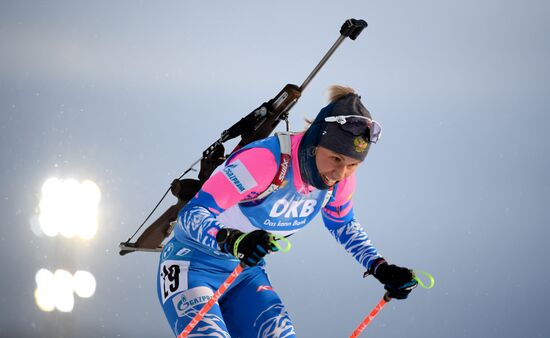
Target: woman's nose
339,173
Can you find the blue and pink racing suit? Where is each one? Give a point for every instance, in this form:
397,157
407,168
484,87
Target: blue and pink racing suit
192,268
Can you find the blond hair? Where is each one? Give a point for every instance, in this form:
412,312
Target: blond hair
336,92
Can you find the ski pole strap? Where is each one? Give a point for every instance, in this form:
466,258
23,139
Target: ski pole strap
275,238
236,245
420,282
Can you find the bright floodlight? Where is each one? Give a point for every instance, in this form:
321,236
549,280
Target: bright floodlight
84,284
56,290
43,294
69,208
63,290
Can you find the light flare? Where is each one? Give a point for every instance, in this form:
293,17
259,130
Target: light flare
55,291
69,208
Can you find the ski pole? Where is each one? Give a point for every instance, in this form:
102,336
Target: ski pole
366,321
371,315
221,290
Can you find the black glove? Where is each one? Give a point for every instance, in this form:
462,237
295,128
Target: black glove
398,281
250,248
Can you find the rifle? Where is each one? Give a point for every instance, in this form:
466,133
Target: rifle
258,124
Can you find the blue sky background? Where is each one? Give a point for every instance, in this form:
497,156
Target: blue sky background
129,93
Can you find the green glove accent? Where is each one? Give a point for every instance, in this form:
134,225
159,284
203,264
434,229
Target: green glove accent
430,277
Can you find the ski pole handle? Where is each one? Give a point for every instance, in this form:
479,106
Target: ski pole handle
366,321
387,297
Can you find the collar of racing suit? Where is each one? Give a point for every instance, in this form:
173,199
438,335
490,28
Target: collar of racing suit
306,159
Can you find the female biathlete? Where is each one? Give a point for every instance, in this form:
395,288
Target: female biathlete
275,186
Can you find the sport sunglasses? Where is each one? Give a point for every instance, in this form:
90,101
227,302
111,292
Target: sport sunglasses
358,126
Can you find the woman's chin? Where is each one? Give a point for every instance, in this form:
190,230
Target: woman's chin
328,182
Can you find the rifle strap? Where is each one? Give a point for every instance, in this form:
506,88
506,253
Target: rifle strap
284,164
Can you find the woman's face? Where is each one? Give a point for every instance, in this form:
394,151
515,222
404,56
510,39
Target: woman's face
333,166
